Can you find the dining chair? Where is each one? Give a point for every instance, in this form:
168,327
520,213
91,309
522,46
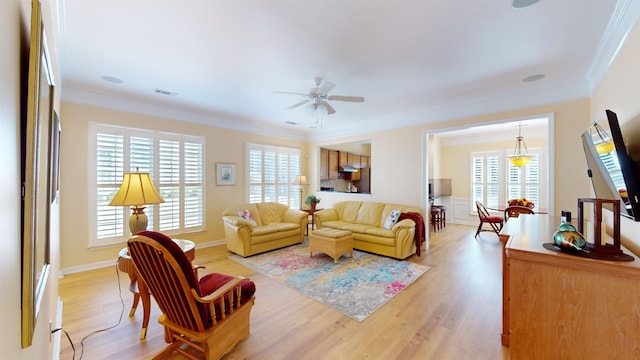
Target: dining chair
495,222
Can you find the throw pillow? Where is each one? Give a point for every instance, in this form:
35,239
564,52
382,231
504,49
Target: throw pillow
392,219
246,215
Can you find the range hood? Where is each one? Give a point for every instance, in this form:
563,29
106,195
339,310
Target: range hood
347,169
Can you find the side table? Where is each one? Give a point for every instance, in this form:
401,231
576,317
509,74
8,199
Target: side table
313,219
137,285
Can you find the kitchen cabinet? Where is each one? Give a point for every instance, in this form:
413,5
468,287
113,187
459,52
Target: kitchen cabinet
353,160
333,164
343,157
365,161
324,164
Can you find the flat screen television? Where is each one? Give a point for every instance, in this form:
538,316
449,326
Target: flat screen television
614,174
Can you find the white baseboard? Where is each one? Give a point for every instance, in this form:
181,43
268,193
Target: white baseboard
103,264
56,338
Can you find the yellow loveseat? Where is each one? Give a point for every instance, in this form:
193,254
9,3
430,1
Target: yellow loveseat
366,221
274,226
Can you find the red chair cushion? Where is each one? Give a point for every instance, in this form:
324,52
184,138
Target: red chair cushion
212,282
177,253
492,219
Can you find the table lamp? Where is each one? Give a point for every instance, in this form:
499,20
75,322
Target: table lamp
300,180
136,191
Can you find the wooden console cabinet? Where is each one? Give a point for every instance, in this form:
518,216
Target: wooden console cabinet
561,306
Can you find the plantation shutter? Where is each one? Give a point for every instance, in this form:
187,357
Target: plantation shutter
255,176
193,187
141,150
493,181
271,171
110,170
477,179
169,184
175,163
532,180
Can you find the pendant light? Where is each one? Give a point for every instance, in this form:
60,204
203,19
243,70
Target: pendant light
520,158
605,145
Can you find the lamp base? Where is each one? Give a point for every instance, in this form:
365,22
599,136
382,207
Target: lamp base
138,220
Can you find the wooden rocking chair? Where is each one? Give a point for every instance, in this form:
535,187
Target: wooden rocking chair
210,314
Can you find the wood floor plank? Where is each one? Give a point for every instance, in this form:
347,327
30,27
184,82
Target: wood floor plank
453,311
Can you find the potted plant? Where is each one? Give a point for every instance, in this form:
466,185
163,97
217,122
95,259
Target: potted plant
312,200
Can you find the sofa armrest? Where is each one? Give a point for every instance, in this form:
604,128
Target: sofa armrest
403,224
294,216
329,214
238,221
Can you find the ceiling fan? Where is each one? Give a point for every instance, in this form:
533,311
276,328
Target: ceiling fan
319,95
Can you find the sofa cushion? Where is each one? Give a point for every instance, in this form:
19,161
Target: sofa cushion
271,213
253,209
380,232
358,228
388,208
369,213
348,210
392,219
337,224
266,229
246,215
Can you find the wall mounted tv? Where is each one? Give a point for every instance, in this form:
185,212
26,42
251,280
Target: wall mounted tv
614,174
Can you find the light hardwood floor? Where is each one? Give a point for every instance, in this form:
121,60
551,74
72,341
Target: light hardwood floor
452,312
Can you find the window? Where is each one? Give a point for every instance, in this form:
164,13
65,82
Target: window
494,180
485,179
175,163
271,172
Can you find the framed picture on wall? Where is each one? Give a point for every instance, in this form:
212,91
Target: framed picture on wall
36,176
225,174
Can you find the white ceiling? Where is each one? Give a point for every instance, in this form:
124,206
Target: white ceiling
413,61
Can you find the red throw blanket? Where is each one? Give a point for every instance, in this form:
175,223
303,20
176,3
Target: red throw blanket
419,235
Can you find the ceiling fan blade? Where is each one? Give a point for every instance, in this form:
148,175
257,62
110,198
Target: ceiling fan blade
291,93
298,104
324,89
346,98
330,109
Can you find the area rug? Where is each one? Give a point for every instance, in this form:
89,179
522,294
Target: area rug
356,286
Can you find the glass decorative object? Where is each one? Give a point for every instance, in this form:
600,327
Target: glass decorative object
568,238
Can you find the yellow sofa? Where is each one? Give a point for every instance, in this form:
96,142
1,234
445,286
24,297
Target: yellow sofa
275,226
366,222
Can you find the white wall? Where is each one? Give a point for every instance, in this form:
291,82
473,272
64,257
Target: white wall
619,91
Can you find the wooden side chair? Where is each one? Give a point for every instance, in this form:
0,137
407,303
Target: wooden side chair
515,211
495,222
210,314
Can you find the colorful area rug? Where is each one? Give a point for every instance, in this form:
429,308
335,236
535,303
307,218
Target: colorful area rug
356,287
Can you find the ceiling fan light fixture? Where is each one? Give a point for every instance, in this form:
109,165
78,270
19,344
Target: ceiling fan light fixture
318,98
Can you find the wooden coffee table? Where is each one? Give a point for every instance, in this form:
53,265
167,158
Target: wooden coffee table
332,242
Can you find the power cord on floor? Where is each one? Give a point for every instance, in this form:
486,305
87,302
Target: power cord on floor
97,331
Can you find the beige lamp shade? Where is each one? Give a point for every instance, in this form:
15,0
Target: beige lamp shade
300,180
136,190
